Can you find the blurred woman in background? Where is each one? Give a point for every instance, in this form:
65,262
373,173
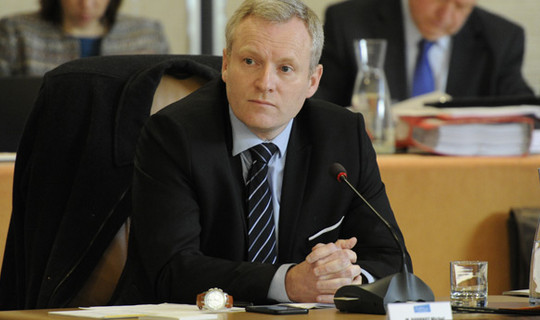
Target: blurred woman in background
63,30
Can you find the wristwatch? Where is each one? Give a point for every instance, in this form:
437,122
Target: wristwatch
214,299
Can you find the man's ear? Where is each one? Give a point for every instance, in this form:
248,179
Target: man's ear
314,80
224,65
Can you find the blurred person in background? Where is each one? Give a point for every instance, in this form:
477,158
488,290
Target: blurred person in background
63,30
471,52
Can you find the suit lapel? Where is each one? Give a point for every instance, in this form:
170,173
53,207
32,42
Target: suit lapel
293,188
465,44
235,166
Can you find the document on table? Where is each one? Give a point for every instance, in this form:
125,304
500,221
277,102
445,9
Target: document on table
517,293
145,311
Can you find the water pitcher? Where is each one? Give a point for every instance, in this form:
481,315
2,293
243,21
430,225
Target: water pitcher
371,95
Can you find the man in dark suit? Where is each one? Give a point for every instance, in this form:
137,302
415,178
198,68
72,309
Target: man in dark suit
191,230
476,53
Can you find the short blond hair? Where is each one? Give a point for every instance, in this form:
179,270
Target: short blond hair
280,11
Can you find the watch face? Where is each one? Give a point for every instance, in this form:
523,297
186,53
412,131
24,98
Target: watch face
214,300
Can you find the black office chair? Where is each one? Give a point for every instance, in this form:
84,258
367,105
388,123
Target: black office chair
18,95
522,223
71,193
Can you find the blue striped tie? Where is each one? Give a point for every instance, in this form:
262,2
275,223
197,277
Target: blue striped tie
261,233
423,76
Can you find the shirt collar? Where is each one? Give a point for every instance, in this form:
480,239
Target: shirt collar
243,138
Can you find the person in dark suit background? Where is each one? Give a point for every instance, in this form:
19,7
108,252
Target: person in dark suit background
190,224
475,53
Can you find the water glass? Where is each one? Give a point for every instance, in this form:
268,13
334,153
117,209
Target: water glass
469,283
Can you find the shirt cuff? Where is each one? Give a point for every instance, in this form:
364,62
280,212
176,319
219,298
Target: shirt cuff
277,289
366,275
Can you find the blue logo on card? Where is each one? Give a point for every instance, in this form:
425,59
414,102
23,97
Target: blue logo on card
422,308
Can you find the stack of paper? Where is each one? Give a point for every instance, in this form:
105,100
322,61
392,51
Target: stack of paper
467,131
496,137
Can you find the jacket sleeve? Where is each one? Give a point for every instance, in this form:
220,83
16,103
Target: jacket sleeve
510,79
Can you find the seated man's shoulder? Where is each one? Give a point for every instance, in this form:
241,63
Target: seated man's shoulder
326,109
492,22
201,103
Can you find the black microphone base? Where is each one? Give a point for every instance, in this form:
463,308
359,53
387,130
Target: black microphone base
373,297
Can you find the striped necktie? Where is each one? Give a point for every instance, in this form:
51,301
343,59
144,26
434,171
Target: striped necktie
423,76
261,233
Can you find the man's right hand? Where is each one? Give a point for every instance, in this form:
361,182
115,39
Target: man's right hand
327,268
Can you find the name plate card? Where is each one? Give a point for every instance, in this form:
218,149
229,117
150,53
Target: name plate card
419,311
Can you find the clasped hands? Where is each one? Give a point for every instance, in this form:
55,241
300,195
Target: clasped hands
327,268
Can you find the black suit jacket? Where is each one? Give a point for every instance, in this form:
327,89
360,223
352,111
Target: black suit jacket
486,58
73,173
189,226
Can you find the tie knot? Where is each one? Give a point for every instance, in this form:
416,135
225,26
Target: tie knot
424,45
263,152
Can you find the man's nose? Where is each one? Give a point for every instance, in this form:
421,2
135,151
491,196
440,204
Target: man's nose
446,11
266,79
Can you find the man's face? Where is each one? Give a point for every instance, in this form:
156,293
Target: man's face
438,18
267,73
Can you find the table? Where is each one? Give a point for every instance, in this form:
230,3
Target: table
322,314
456,208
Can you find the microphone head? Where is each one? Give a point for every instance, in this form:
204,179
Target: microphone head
337,171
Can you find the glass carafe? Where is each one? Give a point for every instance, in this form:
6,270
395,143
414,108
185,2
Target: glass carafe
371,95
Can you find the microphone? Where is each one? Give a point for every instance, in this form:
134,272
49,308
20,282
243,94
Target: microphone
374,297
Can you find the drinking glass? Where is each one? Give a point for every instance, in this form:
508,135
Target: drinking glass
469,283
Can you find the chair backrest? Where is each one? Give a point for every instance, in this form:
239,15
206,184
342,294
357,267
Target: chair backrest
522,223
171,89
67,240
17,94
101,284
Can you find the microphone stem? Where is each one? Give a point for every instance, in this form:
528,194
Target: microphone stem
388,226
